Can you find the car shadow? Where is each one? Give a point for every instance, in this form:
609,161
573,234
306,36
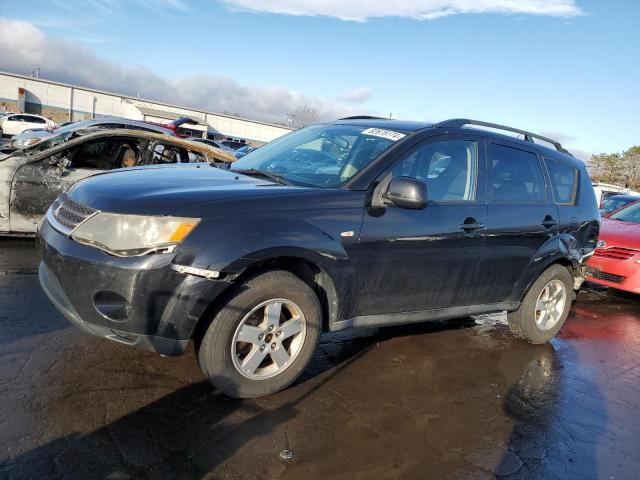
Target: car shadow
195,429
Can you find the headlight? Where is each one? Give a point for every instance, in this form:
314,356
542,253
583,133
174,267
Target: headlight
25,142
129,235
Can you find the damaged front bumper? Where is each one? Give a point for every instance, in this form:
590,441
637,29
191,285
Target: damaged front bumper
137,301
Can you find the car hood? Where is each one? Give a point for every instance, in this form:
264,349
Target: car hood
159,190
620,234
38,134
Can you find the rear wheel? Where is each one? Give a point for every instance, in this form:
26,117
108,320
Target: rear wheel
545,306
264,336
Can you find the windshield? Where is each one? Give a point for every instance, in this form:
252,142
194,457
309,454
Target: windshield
615,203
321,155
630,214
48,142
74,125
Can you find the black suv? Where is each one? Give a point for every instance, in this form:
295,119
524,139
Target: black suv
355,223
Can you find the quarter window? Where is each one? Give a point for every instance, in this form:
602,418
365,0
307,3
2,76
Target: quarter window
564,180
515,175
448,167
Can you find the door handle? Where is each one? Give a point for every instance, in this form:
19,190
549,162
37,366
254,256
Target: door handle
471,224
549,222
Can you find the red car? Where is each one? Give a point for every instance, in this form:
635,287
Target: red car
616,261
175,125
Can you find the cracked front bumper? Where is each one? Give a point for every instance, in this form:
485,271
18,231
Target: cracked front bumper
137,301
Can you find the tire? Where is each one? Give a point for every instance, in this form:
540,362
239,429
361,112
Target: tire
232,365
528,322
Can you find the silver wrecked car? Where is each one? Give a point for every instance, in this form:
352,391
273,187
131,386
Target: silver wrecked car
32,178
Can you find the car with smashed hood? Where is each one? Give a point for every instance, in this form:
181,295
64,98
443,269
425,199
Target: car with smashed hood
32,178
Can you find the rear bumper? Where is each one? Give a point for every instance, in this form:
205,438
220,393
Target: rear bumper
137,301
619,274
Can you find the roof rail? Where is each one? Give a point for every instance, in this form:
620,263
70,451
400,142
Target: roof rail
363,117
528,136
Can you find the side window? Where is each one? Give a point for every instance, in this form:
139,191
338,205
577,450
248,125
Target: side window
165,154
105,155
515,176
448,167
30,119
196,157
564,181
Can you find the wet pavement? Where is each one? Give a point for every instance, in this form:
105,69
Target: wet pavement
457,399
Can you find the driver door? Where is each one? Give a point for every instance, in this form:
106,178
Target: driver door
415,260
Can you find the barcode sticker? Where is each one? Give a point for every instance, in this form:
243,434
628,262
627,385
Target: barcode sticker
382,133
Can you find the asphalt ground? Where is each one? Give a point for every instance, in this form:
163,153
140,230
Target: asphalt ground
455,399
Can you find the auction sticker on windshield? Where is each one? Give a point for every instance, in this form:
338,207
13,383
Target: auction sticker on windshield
382,133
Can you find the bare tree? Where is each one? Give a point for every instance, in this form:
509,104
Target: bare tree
303,116
618,168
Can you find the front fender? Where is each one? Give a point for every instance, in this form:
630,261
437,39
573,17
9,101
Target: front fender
232,247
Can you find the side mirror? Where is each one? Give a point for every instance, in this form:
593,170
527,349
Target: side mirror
405,192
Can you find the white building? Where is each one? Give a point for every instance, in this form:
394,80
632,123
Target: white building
62,102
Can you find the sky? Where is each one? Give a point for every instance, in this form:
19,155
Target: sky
569,69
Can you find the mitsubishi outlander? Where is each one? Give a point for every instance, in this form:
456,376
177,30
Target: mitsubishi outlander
354,223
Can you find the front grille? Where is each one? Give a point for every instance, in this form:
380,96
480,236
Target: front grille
600,275
616,253
69,214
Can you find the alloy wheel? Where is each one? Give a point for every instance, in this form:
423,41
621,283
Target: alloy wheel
268,339
550,304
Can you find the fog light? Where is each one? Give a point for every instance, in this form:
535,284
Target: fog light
111,305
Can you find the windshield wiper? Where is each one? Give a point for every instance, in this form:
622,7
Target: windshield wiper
259,173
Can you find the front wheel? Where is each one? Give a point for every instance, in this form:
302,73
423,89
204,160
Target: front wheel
264,336
545,306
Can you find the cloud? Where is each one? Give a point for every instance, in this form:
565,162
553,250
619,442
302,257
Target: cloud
567,141
581,154
357,95
24,47
563,138
362,10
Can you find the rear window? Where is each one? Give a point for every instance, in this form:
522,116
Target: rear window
515,176
564,181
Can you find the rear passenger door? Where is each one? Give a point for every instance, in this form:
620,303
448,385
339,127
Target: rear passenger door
521,218
31,121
